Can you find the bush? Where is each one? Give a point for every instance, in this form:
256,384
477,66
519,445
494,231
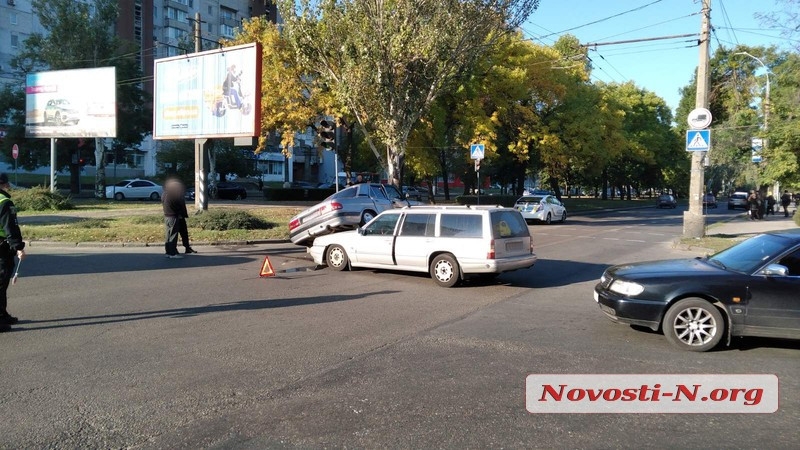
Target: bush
223,219
40,198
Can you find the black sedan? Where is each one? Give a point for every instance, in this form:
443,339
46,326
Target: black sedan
750,289
230,191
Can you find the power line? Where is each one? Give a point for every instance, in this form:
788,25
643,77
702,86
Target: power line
603,19
650,26
611,65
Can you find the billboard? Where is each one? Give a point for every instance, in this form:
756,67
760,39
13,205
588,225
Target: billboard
79,103
216,93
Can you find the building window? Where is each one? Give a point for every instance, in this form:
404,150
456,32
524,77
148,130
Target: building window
182,2
13,18
274,168
174,33
226,30
227,13
14,40
176,14
210,27
210,11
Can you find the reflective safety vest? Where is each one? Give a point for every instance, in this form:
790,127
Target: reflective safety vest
3,199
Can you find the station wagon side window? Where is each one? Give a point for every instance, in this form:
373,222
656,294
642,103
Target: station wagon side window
419,225
508,224
461,225
382,225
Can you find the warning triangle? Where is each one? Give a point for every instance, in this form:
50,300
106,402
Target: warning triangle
266,268
697,142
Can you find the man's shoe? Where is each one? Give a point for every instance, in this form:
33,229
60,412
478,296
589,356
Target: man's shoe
8,318
176,256
190,250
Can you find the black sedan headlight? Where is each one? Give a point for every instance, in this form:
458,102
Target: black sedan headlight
626,288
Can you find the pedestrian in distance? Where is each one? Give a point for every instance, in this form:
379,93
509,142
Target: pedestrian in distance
771,204
175,214
183,216
754,205
786,200
12,246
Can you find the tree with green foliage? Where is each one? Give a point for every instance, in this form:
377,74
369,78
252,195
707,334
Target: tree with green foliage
387,61
82,35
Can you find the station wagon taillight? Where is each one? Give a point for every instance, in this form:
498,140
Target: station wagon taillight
294,224
491,254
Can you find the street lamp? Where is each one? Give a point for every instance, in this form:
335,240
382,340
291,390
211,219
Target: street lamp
766,99
766,103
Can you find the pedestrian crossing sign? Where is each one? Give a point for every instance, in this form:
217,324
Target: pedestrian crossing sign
476,151
698,140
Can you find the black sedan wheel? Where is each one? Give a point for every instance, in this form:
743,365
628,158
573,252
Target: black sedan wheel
444,270
693,324
337,258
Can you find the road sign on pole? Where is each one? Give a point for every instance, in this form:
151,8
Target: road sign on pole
15,151
698,140
476,151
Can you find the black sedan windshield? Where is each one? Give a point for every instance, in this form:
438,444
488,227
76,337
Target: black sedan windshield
752,254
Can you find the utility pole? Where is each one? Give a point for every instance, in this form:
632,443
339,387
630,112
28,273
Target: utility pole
694,222
200,145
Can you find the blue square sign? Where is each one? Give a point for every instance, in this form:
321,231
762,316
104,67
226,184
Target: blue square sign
476,151
698,140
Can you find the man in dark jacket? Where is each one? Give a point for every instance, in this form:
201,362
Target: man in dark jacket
174,206
12,245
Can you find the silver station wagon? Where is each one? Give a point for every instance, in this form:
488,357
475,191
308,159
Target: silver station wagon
451,243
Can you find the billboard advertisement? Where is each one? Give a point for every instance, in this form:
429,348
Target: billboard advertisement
208,94
79,103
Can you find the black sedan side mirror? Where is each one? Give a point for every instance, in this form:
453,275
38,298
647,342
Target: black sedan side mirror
775,270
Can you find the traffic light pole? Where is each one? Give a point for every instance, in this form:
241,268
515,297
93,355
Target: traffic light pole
694,222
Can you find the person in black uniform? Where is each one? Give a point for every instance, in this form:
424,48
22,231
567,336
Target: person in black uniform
11,246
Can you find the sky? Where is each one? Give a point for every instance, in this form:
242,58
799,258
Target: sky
660,66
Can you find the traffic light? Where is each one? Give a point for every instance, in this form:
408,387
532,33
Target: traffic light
327,134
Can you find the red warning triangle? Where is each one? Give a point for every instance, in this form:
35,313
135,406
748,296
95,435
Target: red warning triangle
266,268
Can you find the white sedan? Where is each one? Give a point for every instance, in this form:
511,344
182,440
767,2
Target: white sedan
541,208
143,189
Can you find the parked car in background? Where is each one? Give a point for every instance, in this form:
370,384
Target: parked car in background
541,208
61,112
415,192
345,210
450,243
135,189
303,185
666,201
749,289
738,200
709,201
230,191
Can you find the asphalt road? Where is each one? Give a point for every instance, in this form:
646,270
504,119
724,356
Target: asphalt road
121,347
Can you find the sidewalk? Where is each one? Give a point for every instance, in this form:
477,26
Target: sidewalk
741,225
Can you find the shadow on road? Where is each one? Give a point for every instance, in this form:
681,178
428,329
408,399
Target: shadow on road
178,313
95,263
